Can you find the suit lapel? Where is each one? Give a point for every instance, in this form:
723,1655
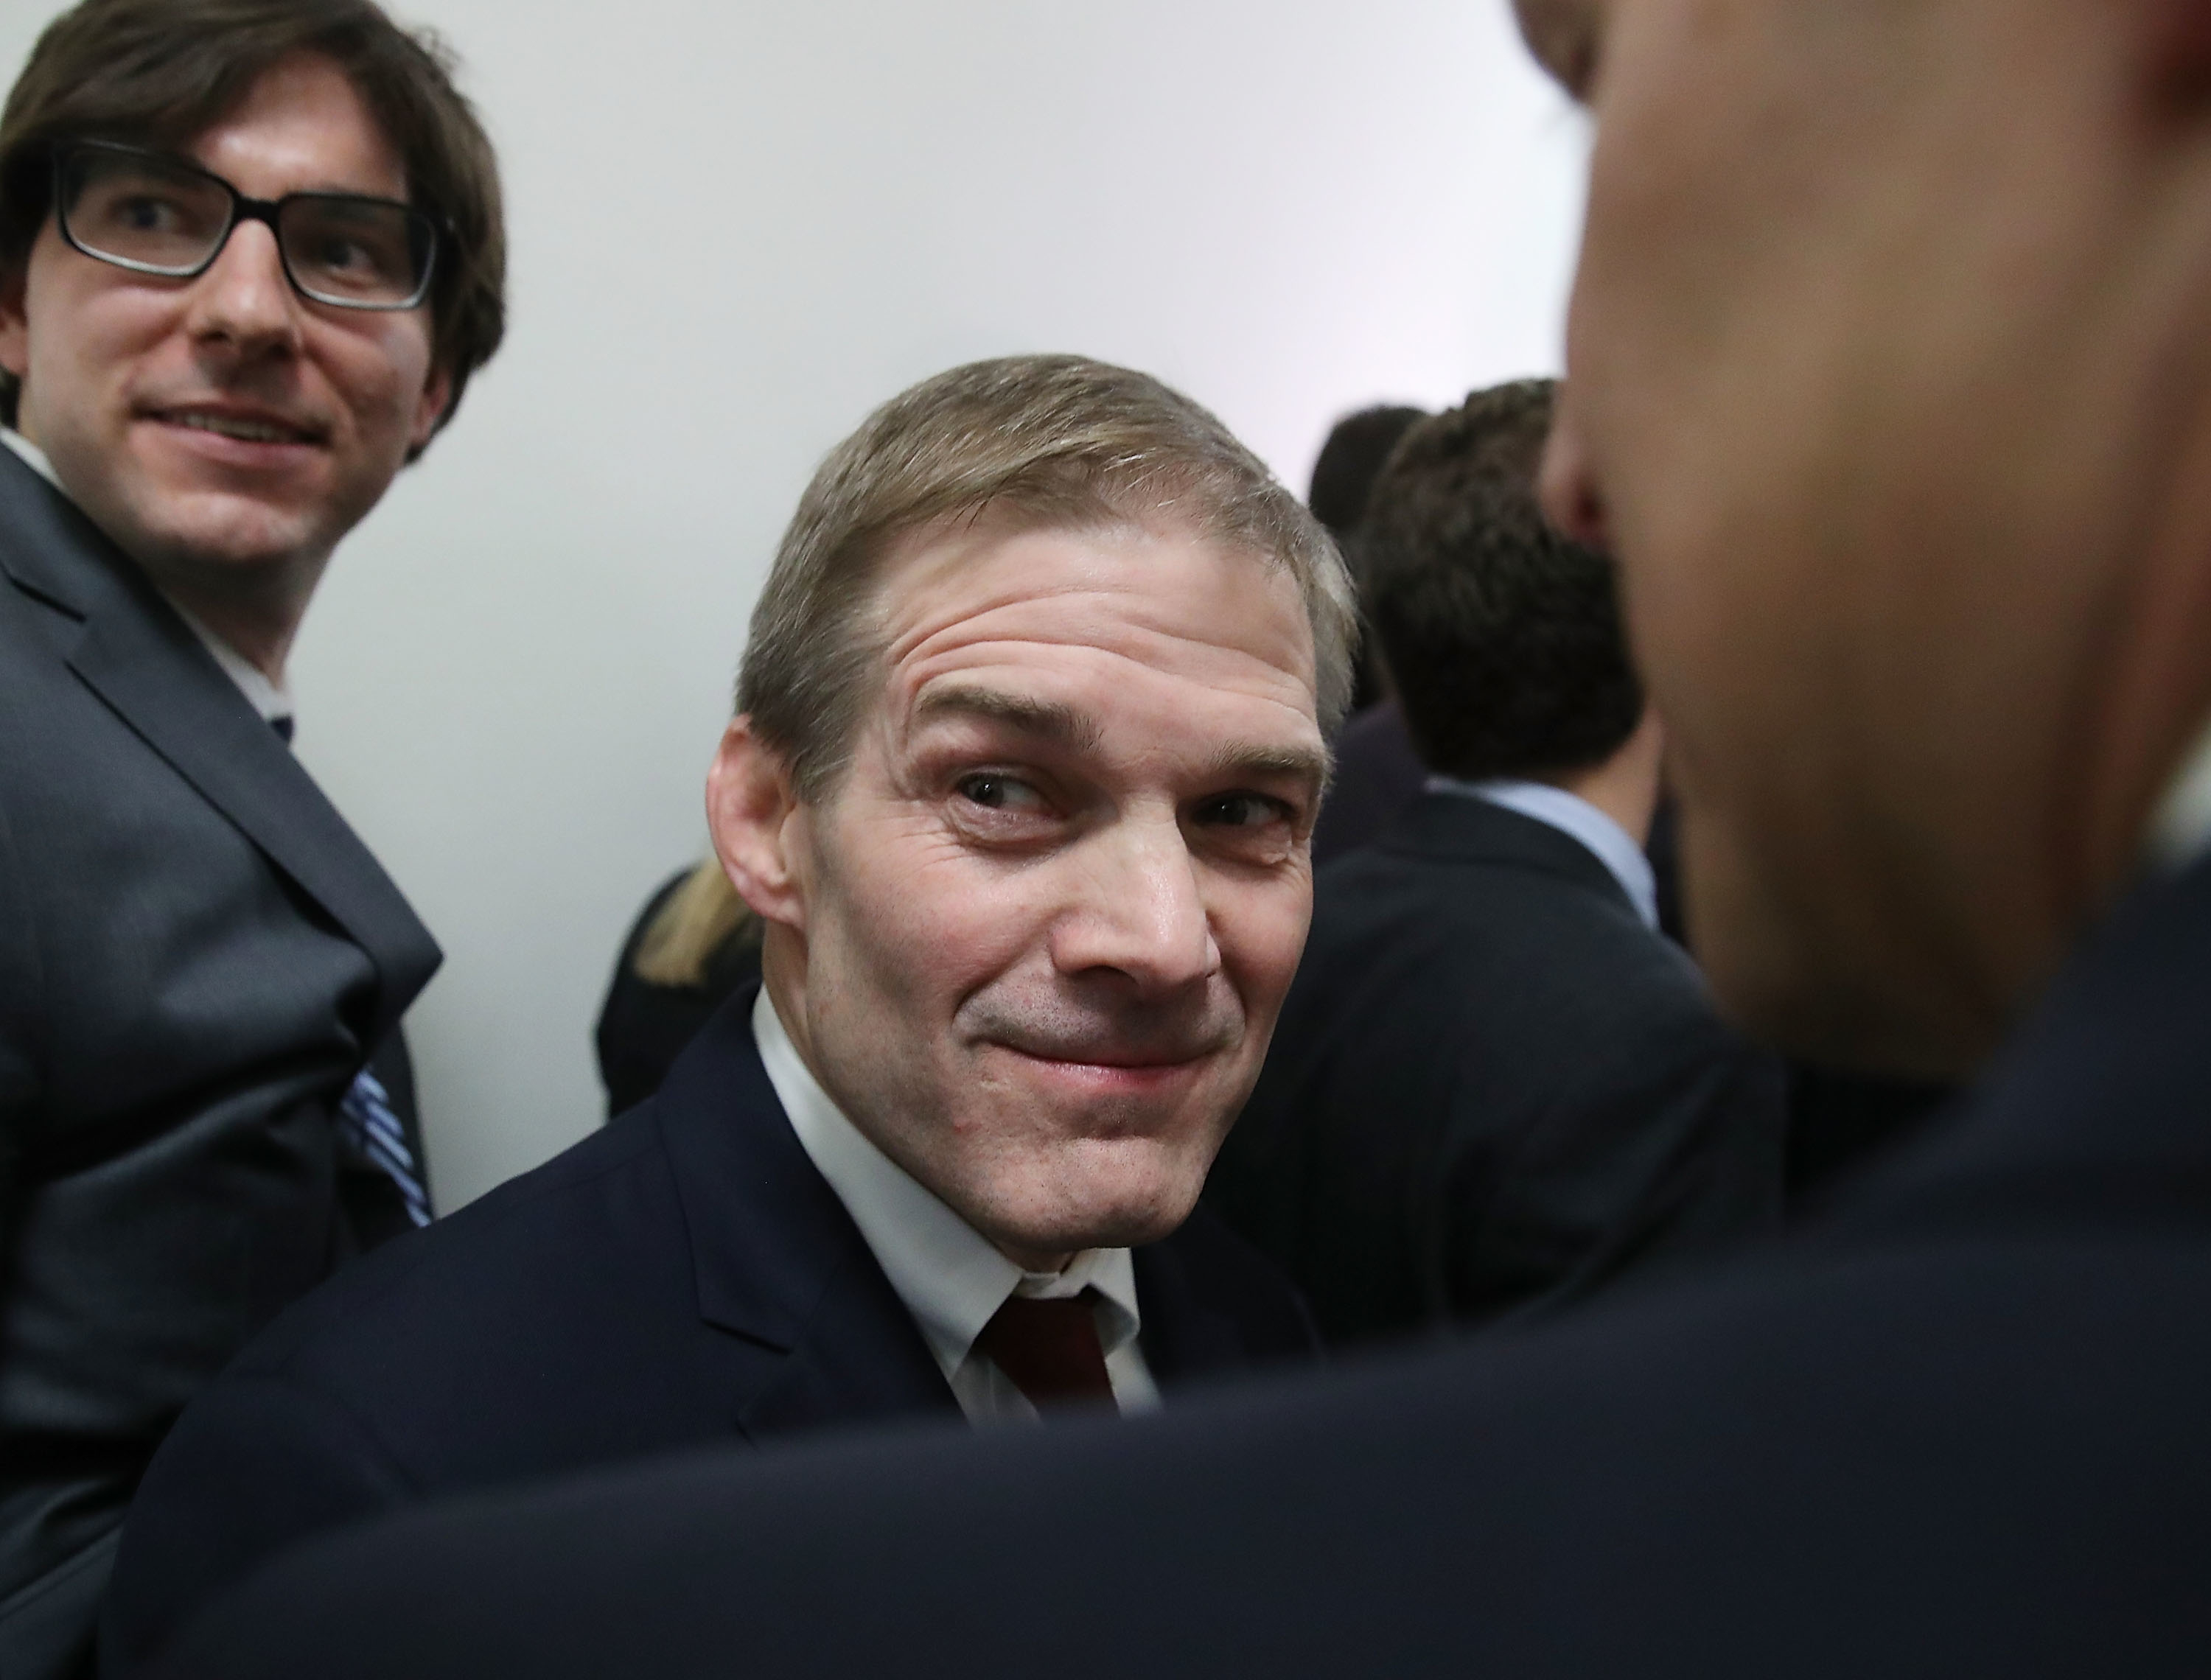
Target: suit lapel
776,1259
1183,1337
144,662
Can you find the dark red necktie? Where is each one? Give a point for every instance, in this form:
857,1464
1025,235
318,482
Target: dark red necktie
1049,1349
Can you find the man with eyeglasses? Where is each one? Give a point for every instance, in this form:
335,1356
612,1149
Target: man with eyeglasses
251,251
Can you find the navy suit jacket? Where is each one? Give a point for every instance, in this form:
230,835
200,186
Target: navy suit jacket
1957,1429
196,957
684,1276
1492,1087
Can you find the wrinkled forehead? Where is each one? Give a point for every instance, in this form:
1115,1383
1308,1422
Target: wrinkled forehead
1148,590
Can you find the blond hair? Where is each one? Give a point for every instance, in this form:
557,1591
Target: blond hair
1051,440
696,920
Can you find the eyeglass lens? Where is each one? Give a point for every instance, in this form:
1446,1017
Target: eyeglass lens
154,216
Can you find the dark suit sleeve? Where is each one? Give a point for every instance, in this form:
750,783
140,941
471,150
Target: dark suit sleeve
255,1466
19,1057
1670,1144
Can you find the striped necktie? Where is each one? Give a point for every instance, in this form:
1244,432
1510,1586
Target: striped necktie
365,1121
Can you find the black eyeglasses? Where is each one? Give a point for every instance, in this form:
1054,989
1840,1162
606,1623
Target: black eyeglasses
156,215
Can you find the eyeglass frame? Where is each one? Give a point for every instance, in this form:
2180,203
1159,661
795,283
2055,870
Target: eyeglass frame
242,208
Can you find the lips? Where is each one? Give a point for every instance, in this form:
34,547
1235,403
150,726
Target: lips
245,426
1132,1056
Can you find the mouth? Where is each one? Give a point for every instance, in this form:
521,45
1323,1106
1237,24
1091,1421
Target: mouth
1111,1063
242,425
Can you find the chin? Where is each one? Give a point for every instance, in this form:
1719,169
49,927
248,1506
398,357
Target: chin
1095,1194
1831,990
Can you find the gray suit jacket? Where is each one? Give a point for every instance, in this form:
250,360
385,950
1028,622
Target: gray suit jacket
197,955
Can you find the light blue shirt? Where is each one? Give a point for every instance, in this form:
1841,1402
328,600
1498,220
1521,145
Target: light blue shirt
1577,819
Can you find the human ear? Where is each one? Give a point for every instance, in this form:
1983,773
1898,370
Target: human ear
430,408
15,323
1562,35
756,820
2177,48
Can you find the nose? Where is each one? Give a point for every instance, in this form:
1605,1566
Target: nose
244,299
1140,911
1567,485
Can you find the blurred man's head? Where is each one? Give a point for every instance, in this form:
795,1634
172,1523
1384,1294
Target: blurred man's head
1343,475
1029,750
1503,637
228,395
1887,385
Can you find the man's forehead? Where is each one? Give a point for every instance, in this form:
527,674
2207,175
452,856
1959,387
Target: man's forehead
301,112
1116,588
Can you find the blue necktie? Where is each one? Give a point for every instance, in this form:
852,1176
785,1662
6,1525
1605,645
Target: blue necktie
366,1121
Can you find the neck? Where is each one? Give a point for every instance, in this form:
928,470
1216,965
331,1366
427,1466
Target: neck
1625,787
254,607
256,610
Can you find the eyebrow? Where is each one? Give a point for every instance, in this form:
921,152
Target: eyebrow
1303,763
1064,726
1048,720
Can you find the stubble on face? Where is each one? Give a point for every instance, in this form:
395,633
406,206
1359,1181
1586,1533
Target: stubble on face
1055,902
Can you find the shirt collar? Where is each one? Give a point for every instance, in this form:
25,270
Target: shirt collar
32,456
1575,817
2180,829
273,700
946,1272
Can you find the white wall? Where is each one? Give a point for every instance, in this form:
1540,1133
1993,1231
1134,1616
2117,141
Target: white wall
737,227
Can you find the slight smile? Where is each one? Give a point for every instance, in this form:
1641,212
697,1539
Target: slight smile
242,436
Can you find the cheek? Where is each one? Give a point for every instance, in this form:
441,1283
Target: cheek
1260,930
380,376
930,917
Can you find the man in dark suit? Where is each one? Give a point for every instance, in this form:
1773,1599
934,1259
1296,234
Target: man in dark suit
1021,791
1496,1083
196,956
1888,384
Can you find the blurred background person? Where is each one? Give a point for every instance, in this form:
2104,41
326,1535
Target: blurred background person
251,252
1376,772
1496,1084
695,943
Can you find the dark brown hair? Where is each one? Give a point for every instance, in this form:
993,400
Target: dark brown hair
162,72
1503,638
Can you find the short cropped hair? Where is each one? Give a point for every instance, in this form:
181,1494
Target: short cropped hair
162,72
1503,637
1351,459
1054,441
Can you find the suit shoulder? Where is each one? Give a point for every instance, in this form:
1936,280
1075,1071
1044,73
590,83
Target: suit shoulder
551,1238
1480,940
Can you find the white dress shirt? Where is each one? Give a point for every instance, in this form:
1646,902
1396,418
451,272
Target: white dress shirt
946,1272
1575,817
271,699
2180,831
